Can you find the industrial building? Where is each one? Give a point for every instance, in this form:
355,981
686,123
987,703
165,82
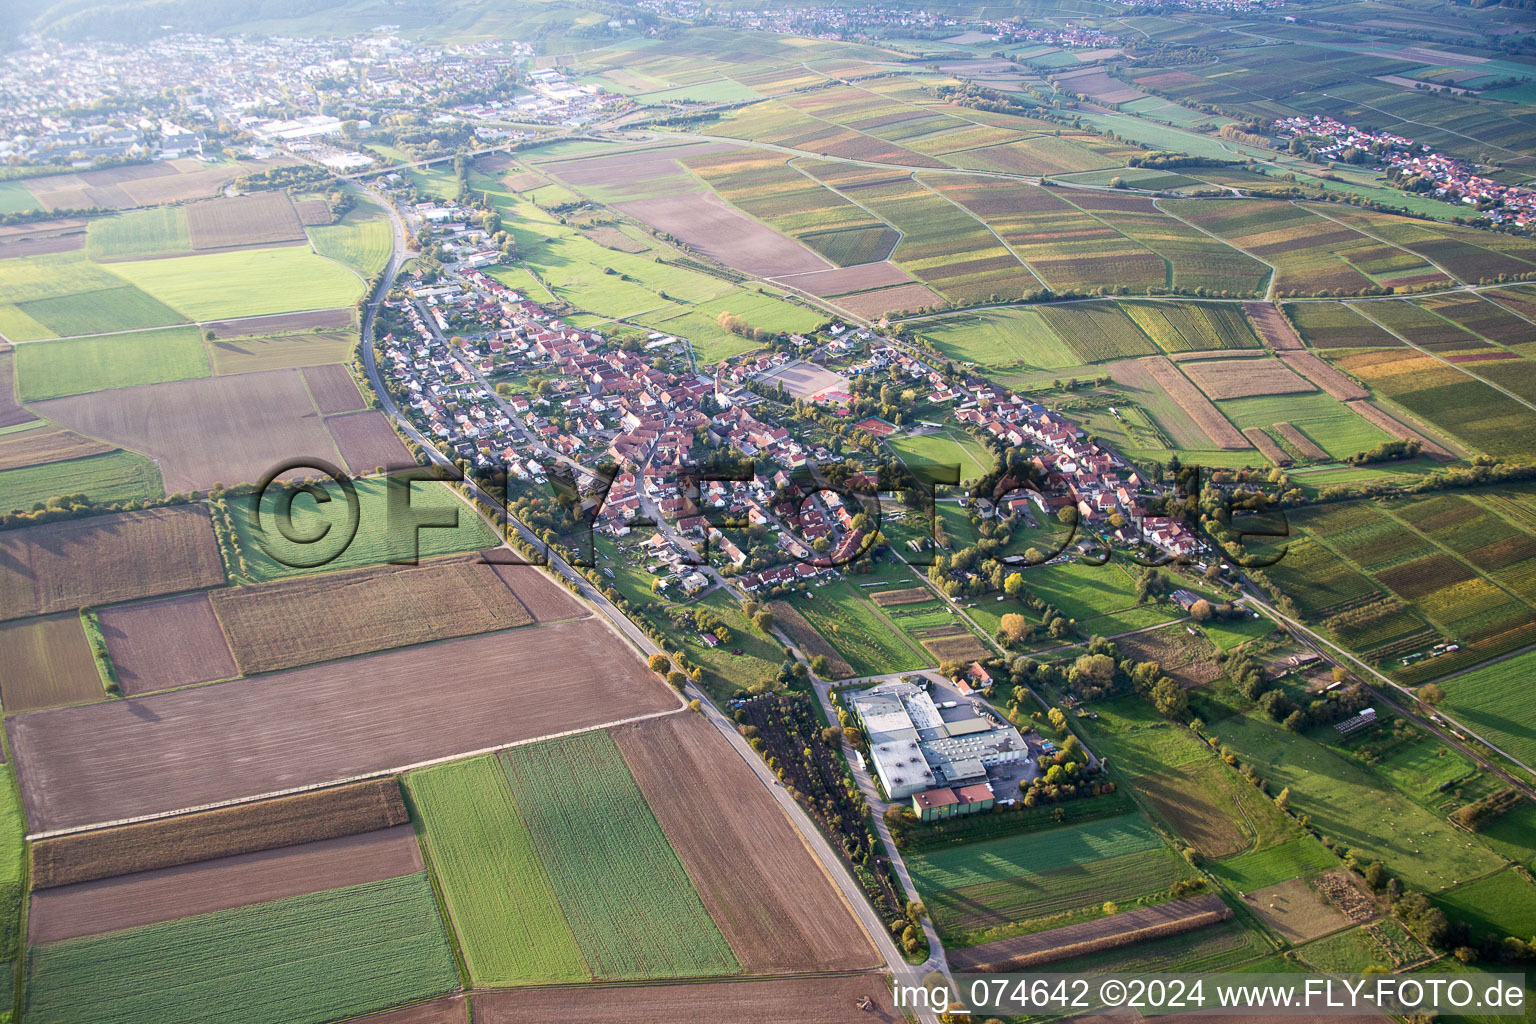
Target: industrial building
919,748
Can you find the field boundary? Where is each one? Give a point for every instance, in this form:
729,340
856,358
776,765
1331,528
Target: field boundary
360,777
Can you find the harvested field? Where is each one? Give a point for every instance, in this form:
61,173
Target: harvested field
251,326
1244,378
1397,428
300,621
46,444
148,897
903,297
103,559
312,212
47,663
1143,389
1133,926
313,725
333,389
746,859
1272,326
546,600
278,351
906,595
1199,408
803,1000
710,225
10,413
804,636
613,238
959,647
449,1010
848,279
367,442
225,832
1324,376
1295,910
208,430
1266,446
1301,442
174,641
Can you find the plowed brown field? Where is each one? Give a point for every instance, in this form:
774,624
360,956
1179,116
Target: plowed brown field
103,559
45,663
46,444
175,641
367,442
802,1000
769,895
91,908
323,723
449,1010
333,388
210,430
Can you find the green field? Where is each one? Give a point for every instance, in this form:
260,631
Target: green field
1000,339
989,890
75,366
113,476
1249,871
246,282
363,239
1330,424
1495,701
373,543
498,895
1503,903
858,631
295,961
630,904
156,231
947,447
14,198
1415,844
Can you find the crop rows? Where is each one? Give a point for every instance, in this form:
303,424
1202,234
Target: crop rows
630,904
1193,327
1096,331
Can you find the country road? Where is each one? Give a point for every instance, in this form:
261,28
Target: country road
852,893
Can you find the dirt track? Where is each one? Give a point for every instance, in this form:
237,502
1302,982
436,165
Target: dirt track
169,751
91,908
770,898
801,1000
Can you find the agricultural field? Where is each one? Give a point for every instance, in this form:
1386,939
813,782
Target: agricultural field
811,1000
110,477
324,722
310,958
986,891
1244,378
749,864
246,221
1192,326
47,663
362,239
1332,426
858,631
1336,325
1259,869
1502,904
1000,340
1097,331
1415,844
256,557
133,900
77,366
498,894
102,559
245,282
272,626
1491,700
591,824
167,642
1194,260
158,231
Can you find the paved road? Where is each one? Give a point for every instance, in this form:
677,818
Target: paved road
852,892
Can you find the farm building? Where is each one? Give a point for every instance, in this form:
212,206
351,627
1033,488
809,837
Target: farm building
917,745
944,802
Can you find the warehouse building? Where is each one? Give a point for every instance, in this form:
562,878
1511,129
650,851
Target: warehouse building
917,745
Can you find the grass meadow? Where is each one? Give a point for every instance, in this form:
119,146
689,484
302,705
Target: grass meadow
113,476
76,366
245,282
